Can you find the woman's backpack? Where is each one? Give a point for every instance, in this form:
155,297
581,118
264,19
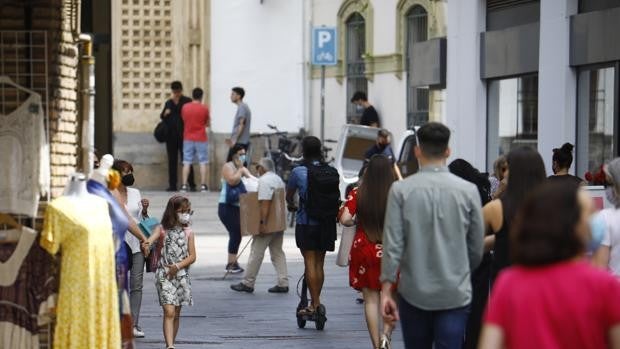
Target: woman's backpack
322,200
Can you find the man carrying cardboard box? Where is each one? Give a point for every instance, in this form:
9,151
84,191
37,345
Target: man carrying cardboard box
269,186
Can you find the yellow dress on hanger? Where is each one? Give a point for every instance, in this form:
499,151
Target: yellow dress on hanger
88,314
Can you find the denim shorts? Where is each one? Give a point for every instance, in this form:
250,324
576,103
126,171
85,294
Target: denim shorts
192,149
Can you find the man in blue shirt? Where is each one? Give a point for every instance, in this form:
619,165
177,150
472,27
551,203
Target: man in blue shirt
382,146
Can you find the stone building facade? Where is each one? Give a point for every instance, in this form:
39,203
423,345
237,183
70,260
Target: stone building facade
153,43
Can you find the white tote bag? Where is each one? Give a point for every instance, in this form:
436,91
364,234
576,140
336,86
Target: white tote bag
346,241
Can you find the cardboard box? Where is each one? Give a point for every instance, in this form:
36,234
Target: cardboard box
249,209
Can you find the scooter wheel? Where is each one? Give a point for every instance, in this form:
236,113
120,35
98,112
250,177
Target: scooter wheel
301,323
321,319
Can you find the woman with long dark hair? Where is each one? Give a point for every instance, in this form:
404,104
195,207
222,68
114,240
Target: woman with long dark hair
482,274
552,297
366,207
526,171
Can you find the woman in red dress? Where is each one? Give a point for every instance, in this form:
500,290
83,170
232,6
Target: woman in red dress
365,207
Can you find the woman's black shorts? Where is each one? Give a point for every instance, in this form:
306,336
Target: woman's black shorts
316,237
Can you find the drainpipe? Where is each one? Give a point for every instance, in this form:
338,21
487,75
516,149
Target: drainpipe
87,103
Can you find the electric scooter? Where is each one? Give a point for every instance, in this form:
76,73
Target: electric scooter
318,317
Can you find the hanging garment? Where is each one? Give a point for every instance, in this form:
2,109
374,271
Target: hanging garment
28,285
88,298
120,224
25,169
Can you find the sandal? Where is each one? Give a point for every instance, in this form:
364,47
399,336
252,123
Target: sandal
307,311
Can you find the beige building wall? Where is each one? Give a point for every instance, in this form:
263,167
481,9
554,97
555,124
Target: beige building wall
154,42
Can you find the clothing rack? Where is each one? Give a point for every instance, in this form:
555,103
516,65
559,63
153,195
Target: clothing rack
24,60
24,64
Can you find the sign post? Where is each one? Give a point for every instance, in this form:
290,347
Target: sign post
323,53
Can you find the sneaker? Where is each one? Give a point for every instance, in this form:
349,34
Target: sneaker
171,189
278,289
137,332
183,188
234,268
204,188
241,287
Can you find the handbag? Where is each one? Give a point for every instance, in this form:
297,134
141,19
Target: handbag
153,259
346,241
233,192
161,132
147,225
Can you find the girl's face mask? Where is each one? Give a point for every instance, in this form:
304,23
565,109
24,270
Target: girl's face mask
184,218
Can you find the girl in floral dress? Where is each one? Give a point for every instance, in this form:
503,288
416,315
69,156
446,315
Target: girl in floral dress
175,251
365,207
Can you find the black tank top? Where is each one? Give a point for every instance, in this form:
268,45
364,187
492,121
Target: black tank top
501,250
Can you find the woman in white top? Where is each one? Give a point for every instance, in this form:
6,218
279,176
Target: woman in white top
608,254
137,208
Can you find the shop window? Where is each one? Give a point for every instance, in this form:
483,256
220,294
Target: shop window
597,114
356,77
512,115
417,97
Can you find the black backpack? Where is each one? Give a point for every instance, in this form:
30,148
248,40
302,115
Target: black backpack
323,196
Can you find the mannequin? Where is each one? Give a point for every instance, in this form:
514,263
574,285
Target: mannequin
101,174
76,187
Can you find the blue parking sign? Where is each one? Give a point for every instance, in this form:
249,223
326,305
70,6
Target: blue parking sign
324,46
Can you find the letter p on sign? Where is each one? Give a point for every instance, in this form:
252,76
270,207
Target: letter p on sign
324,37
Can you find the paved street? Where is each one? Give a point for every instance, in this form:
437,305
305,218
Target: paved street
222,318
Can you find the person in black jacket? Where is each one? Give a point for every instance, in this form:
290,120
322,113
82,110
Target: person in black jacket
171,114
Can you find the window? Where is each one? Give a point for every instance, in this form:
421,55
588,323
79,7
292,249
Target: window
417,97
512,115
502,14
356,47
407,162
596,5
597,116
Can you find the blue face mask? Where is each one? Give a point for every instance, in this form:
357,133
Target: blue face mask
242,158
597,231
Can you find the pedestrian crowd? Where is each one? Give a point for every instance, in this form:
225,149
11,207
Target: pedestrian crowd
457,258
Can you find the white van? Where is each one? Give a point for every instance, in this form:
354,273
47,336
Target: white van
353,143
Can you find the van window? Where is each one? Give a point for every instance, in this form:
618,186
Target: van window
354,152
407,162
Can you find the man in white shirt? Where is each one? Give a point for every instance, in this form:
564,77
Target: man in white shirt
268,183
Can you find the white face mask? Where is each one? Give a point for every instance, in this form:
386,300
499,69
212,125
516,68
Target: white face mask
184,218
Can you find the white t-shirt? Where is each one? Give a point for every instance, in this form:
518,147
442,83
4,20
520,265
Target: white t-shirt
134,208
267,185
612,238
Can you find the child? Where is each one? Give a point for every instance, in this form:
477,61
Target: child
175,252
